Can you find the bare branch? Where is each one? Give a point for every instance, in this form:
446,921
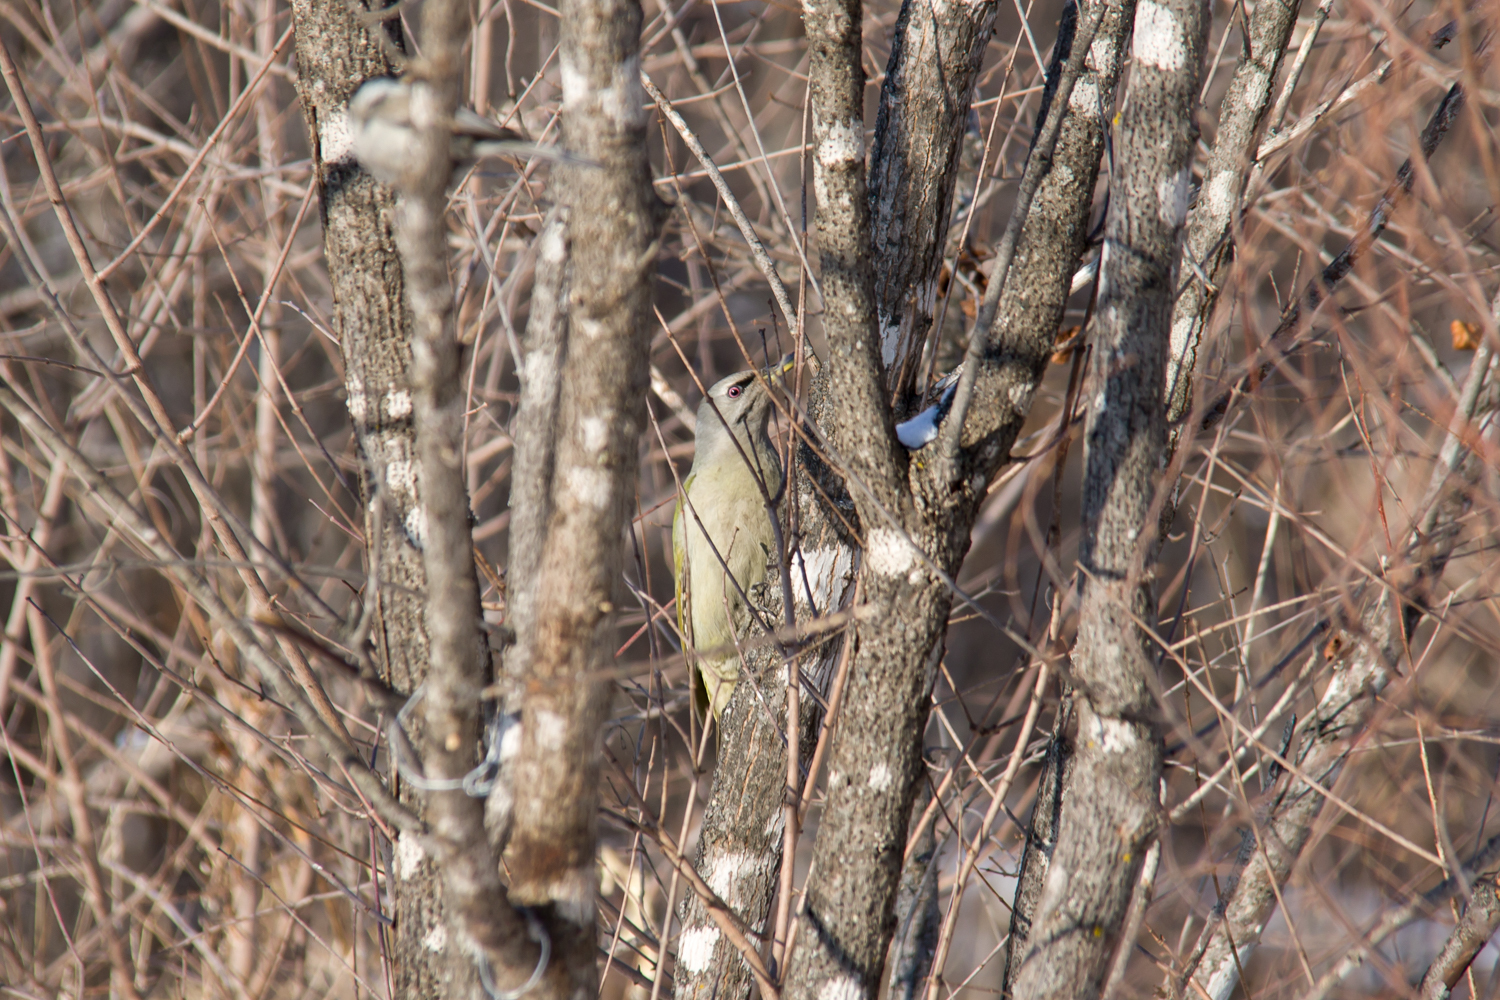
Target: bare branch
1209,245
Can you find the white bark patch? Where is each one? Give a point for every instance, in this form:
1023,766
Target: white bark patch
890,338
841,988
589,486
591,329
436,939
726,871
827,570
1220,194
359,407
1222,981
415,523
1085,97
401,476
1172,197
881,777
595,434
1104,271
573,898
409,855
888,553
843,143
1083,276
1182,330
575,85
1054,888
1113,735
397,404
696,948
551,729
1158,37
540,366
335,137
510,737
625,99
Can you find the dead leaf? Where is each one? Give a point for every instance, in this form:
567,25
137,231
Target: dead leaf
1466,336
1063,345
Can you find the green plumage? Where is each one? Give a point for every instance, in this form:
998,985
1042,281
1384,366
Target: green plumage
723,489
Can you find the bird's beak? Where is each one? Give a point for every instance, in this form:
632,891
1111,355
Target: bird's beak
786,364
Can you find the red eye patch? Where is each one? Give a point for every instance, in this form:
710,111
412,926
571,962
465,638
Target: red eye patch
733,392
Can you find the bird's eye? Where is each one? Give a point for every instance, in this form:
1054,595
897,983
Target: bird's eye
733,392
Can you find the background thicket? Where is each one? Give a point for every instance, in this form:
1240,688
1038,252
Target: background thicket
1164,667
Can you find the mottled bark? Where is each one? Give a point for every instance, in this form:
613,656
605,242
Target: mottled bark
1209,246
1475,928
740,844
915,516
613,218
545,347
845,926
924,109
1041,841
372,318
918,919
1111,812
936,52
994,391
1047,253
486,937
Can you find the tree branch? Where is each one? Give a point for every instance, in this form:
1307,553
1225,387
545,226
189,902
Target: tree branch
1298,315
1111,810
1209,246
613,218
1326,738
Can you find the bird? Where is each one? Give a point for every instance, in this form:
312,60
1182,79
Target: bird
383,136
723,500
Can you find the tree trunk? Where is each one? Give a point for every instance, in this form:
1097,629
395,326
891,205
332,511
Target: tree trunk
372,320
1110,813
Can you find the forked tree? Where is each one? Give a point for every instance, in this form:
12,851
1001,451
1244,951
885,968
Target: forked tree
1137,256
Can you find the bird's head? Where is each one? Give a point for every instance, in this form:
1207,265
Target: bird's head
738,404
382,98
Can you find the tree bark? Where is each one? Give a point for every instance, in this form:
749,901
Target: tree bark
613,218
1111,812
1041,841
740,844
845,927
918,919
1019,344
915,513
936,53
1209,247
372,319
1474,930
486,938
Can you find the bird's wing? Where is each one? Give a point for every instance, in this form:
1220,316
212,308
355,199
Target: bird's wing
681,570
679,558
471,122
